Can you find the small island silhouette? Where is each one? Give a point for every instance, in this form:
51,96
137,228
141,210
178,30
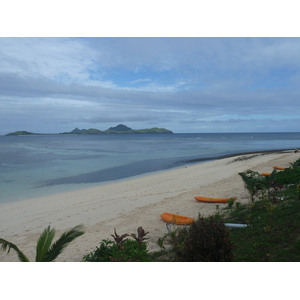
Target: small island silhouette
119,129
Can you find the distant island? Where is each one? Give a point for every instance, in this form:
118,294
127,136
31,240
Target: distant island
119,129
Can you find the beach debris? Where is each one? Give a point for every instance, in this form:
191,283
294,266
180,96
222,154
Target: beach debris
233,225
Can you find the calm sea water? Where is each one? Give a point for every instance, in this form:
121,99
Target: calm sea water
34,166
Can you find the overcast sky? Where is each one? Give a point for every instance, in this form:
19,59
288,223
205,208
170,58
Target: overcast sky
51,85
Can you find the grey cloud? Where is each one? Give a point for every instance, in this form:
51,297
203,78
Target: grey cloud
252,101
69,81
57,58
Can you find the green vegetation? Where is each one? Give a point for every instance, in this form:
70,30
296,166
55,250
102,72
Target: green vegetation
123,129
206,240
119,129
21,133
45,252
84,131
272,216
273,234
152,130
121,249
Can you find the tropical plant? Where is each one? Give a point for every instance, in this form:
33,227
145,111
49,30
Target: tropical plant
45,252
132,252
140,238
103,253
207,240
295,164
121,249
174,238
230,203
119,239
254,183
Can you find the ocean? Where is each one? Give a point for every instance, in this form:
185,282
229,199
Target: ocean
40,165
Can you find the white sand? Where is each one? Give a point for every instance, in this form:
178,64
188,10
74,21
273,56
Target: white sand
128,204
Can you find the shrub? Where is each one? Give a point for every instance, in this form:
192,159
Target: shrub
207,240
132,251
121,249
254,183
102,253
288,176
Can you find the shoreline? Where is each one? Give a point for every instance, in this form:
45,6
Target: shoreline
240,154
130,203
66,184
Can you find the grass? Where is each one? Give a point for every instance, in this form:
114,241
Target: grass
273,216
273,234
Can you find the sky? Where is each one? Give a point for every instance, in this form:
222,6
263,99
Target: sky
187,68
196,84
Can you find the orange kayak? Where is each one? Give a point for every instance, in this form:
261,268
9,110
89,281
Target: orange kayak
214,200
176,219
265,174
278,168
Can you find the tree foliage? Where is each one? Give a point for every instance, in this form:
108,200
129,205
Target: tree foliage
45,250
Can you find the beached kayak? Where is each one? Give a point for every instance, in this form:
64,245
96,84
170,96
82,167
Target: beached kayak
214,200
265,174
176,219
278,168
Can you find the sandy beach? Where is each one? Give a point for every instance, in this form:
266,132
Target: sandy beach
128,204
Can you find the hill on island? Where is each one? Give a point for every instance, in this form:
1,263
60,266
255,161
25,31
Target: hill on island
119,129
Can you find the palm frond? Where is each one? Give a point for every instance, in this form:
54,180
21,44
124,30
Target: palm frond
44,243
252,181
63,242
5,245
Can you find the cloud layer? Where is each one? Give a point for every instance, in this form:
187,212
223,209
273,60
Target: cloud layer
183,84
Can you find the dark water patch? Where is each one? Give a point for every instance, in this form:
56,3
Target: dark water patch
114,173
138,168
202,159
8,181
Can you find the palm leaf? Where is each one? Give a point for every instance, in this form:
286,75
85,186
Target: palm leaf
252,181
8,245
44,243
63,242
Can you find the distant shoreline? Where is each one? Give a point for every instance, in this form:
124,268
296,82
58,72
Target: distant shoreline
119,129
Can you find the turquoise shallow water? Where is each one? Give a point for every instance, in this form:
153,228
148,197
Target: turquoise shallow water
34,166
